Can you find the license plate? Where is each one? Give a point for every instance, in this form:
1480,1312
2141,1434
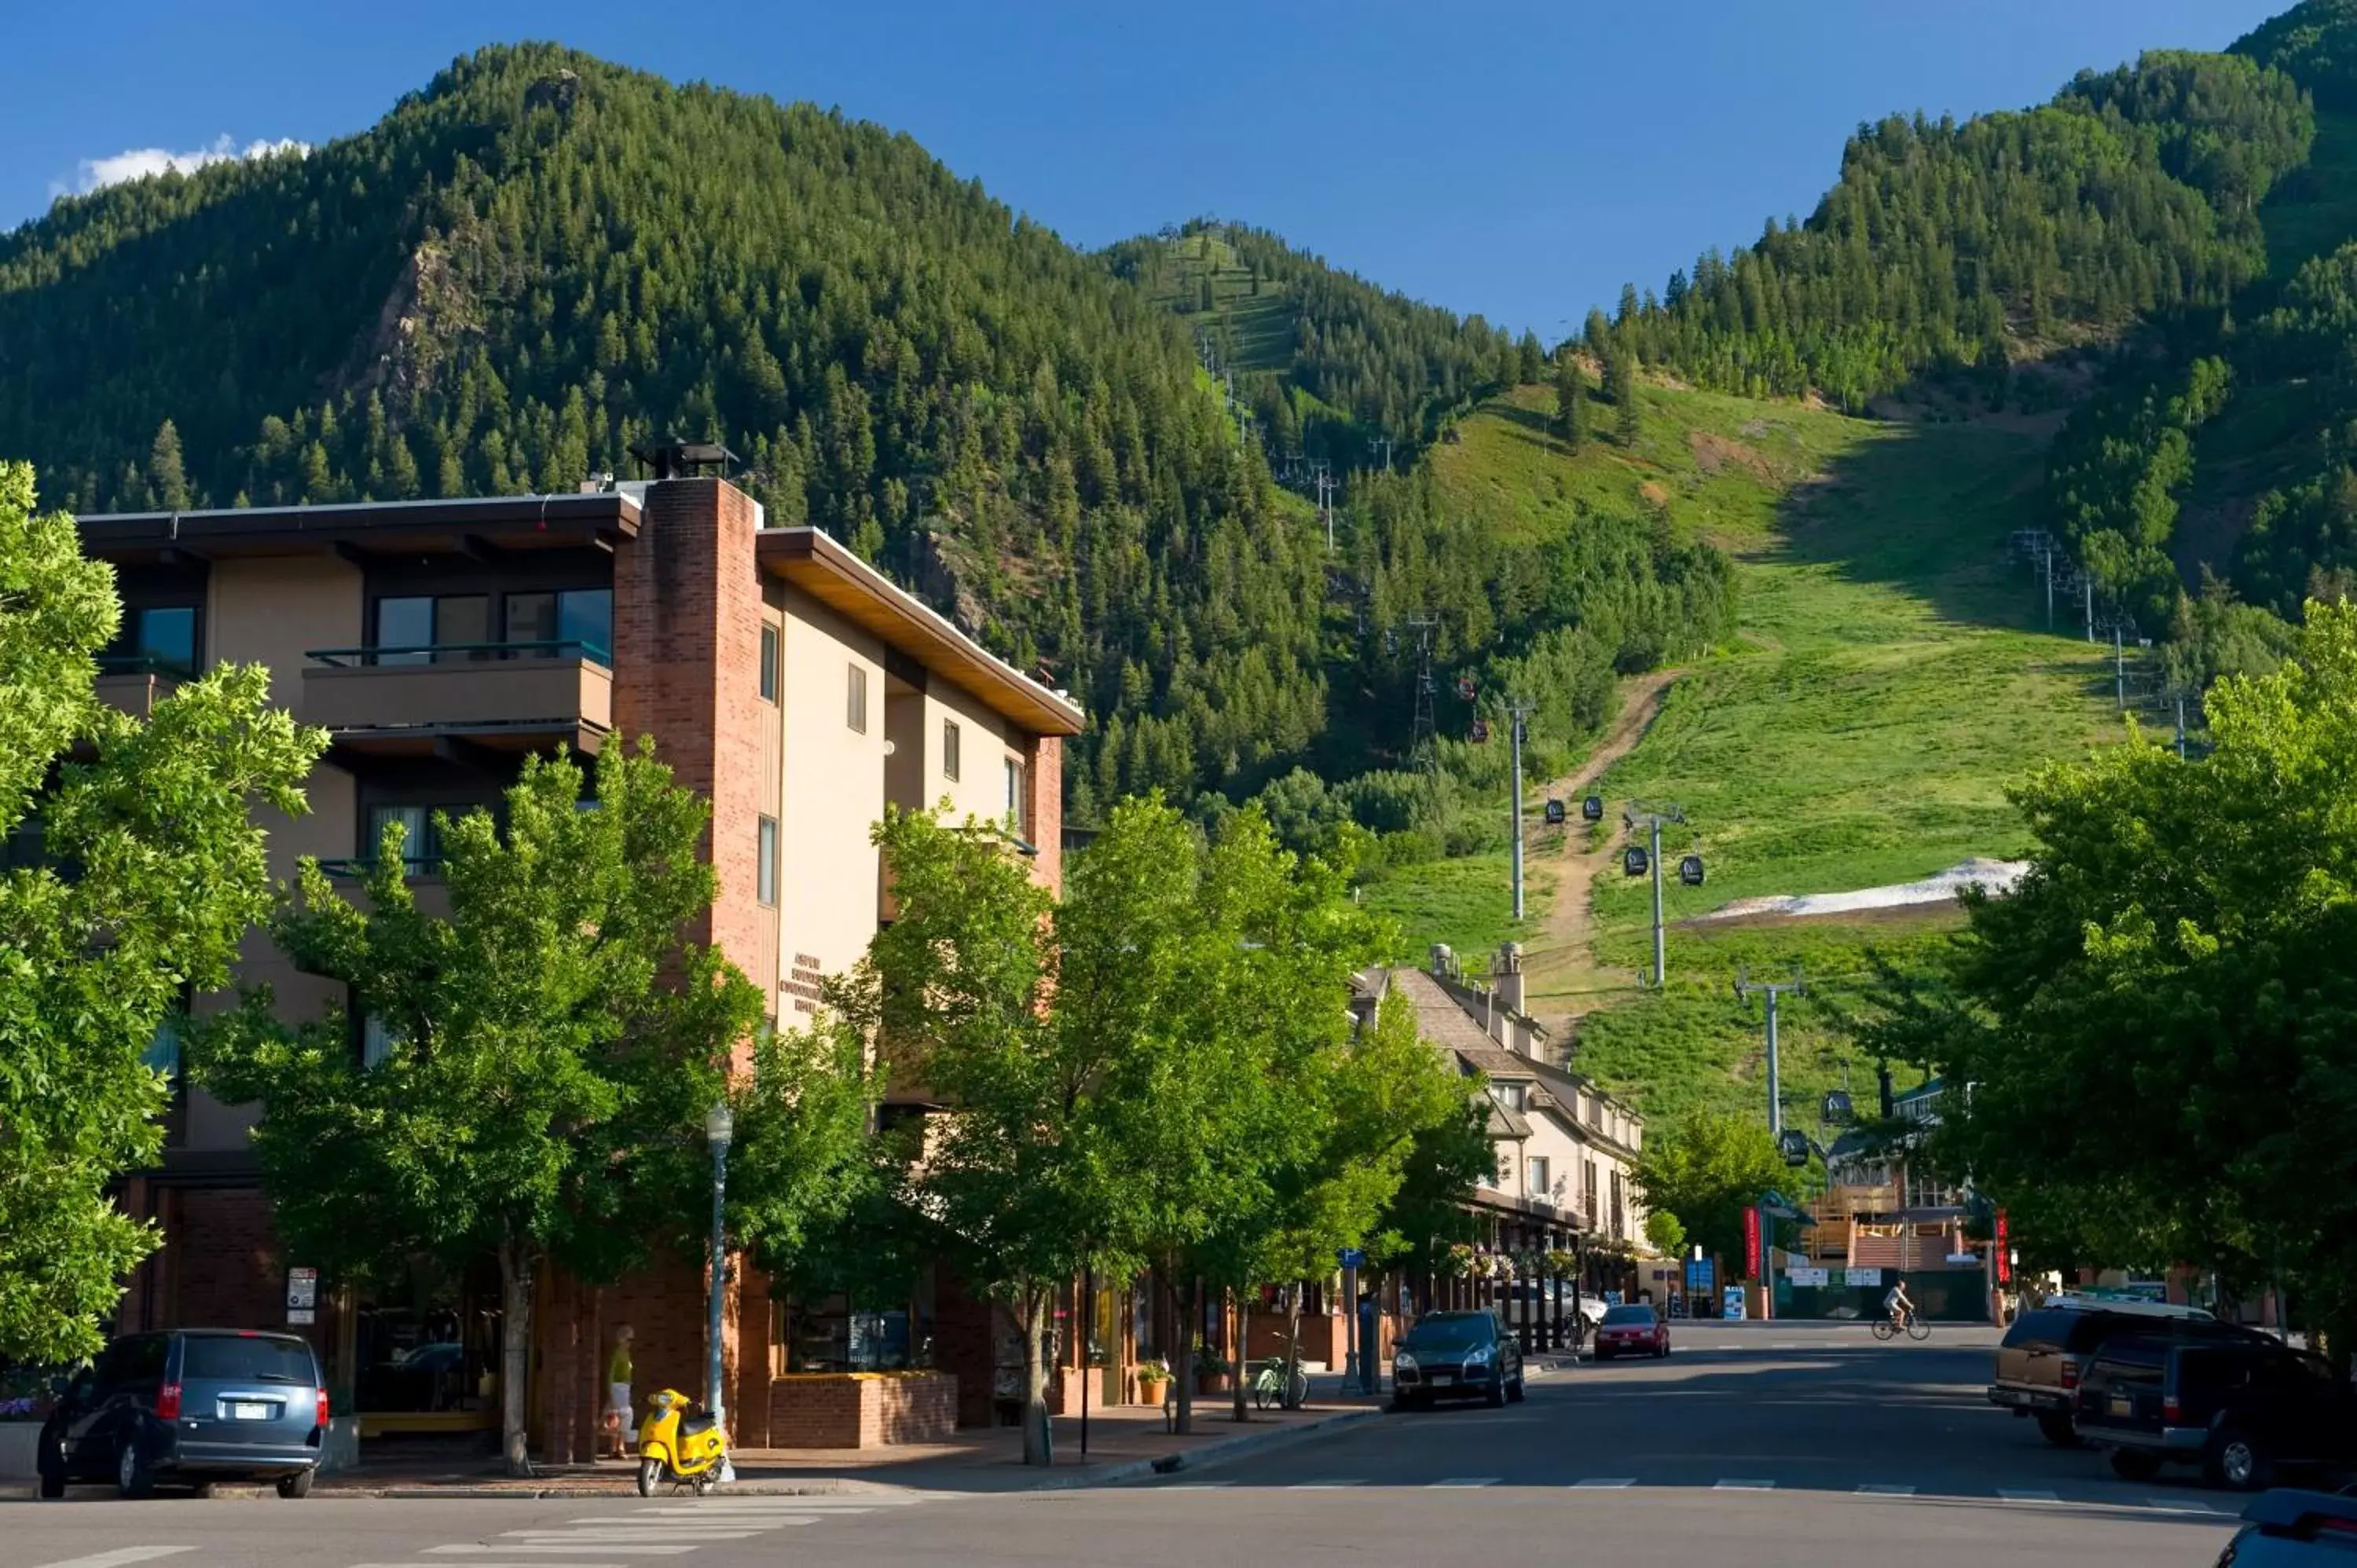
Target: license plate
1444,1376
241,1411
2123,1405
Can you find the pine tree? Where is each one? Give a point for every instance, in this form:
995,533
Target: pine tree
166,476
1570,400
1626,376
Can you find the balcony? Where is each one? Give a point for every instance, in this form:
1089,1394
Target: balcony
135,683
506,696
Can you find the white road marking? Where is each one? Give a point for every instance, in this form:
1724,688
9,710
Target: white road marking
784,1502
1737,1484
121,1555
613,1532
1326,1486
715,1520
2029,1494
1467,1481
2185,1505
1198,1485
474,1550
1604,1484
1882,1489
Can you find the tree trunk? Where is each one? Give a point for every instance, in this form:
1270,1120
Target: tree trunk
1182,1369
1242,1360
1036,1448
515,1352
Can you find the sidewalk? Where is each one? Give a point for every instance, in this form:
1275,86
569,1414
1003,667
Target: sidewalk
1124,1442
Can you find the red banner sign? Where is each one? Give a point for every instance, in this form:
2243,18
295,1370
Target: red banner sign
1751,1244
2004,1251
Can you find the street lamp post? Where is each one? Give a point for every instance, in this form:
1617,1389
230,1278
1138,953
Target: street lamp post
719,1129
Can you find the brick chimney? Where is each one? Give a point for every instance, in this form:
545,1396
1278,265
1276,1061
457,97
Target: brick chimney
1507,976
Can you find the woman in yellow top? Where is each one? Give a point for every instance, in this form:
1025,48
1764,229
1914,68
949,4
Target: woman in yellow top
618,1392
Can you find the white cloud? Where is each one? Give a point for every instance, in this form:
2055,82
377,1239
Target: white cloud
138,163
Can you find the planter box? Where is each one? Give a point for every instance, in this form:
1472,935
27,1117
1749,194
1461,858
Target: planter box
861,1410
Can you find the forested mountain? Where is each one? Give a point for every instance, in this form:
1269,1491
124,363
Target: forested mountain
1331,363
1948,247
541,260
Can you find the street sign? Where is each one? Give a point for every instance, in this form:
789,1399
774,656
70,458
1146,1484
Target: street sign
1813,1277
1353,1257
1861,1277
1751,1243
2004,1251
302,1295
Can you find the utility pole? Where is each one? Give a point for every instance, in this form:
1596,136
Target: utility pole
1421,731
1744,987
2119,669
1650,819
1515,716
2088,582
2180,726
1326,485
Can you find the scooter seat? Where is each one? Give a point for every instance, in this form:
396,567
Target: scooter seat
695,1425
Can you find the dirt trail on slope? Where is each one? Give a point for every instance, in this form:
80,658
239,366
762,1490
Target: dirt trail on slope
1564,980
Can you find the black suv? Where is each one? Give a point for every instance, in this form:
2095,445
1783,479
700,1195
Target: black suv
2241,1411
193,1405
1457,1354
2046,1351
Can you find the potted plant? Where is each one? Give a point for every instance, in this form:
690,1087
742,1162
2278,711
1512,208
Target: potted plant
1210,1373
1153,1376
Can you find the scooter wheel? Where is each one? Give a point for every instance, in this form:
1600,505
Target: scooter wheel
705,1482
650,1477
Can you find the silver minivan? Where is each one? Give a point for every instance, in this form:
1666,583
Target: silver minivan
192,1405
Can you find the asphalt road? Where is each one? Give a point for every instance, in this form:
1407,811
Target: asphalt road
1765,1447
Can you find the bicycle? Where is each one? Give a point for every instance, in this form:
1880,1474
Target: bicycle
1269,1385
1886,1330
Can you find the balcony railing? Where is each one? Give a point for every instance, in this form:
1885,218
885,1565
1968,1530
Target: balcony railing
143,663
410,657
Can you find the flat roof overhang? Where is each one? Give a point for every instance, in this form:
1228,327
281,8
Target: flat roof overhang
420,527
361,744
828,572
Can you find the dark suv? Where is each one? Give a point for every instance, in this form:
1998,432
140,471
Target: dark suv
2240,1409
193,1405
1457,1354
2295,1529
2046,1351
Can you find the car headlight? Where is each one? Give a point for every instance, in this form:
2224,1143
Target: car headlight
1403,1361
1479,1356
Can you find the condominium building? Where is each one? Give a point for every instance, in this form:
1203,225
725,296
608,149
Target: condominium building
439,644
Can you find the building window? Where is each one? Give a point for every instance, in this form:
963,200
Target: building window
766,877
420,629
1535,1168
768,663
376,1041
1512,1096
1019,817
856,701
161,638
577,623
421,846
949,748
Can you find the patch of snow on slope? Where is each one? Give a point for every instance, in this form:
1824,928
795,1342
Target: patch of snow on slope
1996,876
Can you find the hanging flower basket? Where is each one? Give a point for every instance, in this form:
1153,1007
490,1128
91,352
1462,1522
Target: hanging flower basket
1457,1262
1562,1265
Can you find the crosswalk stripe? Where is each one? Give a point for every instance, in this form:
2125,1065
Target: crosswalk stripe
1786,1344
2026,1495
120,1556
617,1533
1883,1489
1326,1486
714,1521
1197,1486
1461,1481
1737,1484
473,1548
1604,1484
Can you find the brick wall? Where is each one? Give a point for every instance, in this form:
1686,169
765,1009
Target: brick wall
861,1410
229,1272
1043,772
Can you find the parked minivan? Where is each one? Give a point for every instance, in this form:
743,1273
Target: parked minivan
192,1405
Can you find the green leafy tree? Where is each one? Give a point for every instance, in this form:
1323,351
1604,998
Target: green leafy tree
804,1166
2157,1025
549,1048
1667,1233
129,870
1706,1172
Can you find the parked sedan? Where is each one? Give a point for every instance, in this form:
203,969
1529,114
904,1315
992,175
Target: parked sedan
1633,1330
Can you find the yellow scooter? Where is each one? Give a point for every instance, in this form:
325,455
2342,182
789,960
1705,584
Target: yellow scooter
686,1450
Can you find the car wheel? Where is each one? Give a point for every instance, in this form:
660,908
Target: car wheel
2134,1465
1515,1389
133,1476
1495,1395
49,1463
297,1485
2055,1427
2236,1462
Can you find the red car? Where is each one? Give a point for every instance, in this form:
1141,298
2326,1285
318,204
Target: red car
1631,1331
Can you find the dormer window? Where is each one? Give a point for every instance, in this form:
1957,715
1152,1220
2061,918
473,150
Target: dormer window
1511,1096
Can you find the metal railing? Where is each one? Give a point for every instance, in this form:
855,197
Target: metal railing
357,869
143,663
419,654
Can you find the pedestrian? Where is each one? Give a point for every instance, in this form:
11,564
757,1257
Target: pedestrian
618,1392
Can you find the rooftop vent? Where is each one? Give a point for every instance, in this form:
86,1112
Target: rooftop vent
677,459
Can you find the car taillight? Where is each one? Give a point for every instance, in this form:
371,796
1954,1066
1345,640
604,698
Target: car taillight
2069,1374
168,1402
2170,1410
323,1407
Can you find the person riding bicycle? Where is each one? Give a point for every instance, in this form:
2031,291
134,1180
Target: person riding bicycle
1899,1306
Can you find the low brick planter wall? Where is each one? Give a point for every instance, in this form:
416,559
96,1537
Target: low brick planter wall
862,1409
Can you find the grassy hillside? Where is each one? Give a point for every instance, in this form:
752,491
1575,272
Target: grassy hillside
1888,679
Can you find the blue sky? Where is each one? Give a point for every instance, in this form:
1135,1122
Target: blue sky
1519,160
